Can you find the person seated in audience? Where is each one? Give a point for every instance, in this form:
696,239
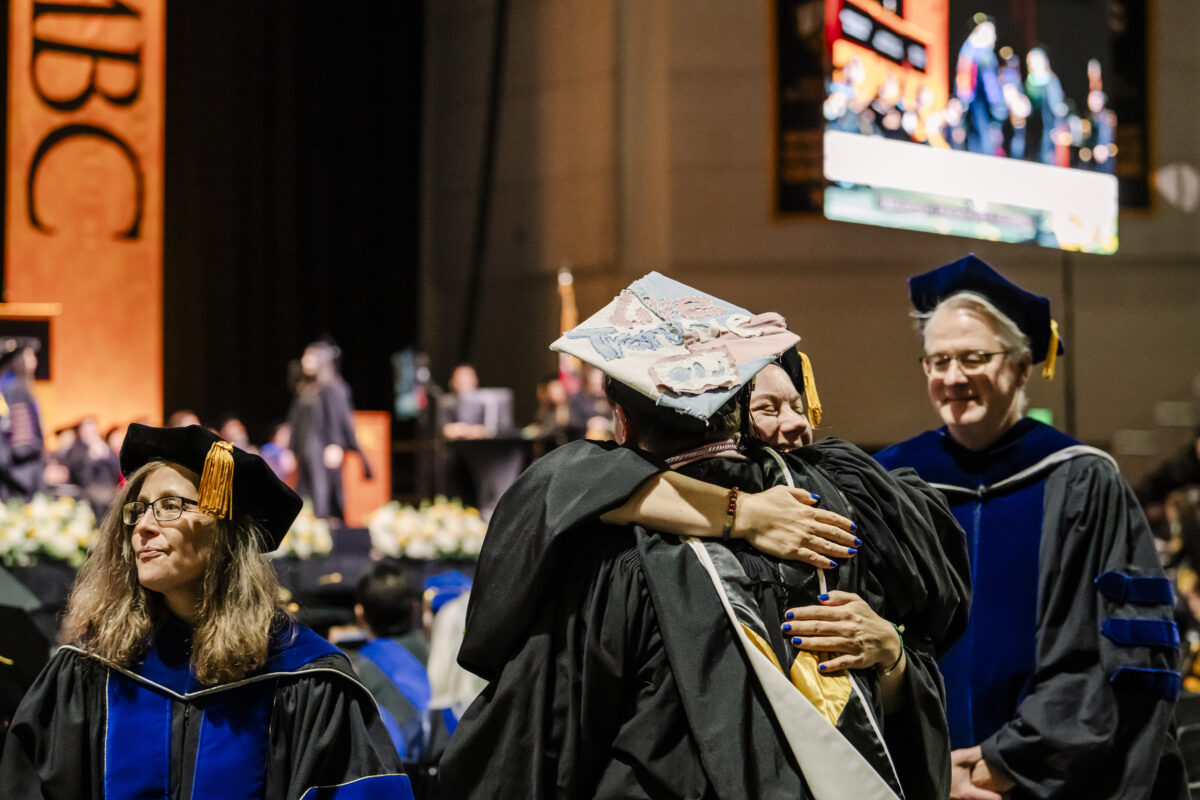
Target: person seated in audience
277,451
93,467
114,437
56,474
231,429
182,418
391,661
1178,471
447,596
591,415
553,412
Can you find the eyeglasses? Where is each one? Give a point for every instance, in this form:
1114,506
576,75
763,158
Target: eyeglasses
166,509
971,362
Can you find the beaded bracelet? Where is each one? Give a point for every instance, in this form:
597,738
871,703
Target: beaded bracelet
730,512
899,658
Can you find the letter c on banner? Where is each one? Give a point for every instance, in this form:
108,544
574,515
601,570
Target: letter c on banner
59,135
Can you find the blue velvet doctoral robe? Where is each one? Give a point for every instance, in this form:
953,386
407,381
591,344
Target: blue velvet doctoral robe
299,727
1067,672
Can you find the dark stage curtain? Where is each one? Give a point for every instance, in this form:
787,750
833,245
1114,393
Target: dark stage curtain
292,135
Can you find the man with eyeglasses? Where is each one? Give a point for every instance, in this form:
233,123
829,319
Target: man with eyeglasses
1065,683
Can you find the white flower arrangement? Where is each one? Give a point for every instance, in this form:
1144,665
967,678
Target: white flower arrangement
308,536
439,529
45,528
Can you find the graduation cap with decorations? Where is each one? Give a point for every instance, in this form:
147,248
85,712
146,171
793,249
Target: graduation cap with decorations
684,349
444,587
231,480
1028,311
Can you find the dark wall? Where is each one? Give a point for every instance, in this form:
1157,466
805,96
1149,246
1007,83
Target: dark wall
292,134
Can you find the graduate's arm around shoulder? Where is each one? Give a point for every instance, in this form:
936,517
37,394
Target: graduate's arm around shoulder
780,521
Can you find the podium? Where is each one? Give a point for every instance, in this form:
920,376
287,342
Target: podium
374,432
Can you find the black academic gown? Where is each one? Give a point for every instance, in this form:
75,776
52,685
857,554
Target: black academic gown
615,671
319,419
85,730
1067,675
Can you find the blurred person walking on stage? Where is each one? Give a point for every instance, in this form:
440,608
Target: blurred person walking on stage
322,424
1064,684
184,676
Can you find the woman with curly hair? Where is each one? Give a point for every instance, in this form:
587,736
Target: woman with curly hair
184,676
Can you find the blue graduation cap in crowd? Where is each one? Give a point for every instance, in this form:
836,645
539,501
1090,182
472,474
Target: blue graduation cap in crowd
444,587
1030,312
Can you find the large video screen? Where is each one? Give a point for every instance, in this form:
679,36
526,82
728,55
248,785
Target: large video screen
992,120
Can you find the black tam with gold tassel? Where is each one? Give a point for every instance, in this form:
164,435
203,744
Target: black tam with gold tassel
232,481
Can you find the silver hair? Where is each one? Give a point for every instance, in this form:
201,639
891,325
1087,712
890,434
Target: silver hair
1010,336
1006,331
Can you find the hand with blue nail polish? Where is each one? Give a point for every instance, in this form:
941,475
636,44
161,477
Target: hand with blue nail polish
783,522
847,631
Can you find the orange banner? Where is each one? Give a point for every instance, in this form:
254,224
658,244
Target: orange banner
85,199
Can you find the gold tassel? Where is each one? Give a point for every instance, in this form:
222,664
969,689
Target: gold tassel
810,391
1052,353
216,484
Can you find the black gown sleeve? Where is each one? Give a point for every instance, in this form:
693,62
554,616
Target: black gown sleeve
914,559
567,487
588,705
913,570
339,416
54,747
917,735
326,731
1080,731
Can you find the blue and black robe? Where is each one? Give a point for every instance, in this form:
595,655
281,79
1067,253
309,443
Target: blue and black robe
1066,675
301,726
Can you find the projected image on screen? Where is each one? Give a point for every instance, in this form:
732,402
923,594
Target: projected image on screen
980,119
